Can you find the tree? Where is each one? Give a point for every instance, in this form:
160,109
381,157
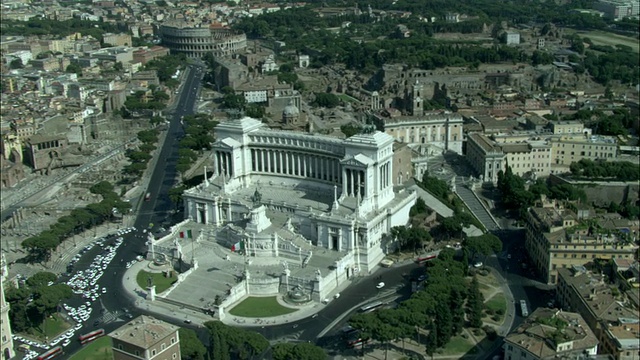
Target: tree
232,101
175,194
101,188
326,100
74,68
431,342
300,351
41,278
475,304
444,319
16,64
190,346
483,245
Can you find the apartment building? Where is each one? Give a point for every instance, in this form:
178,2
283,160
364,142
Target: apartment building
537,153
572,127
572,148
550,334
146,338
613,319
555,239
122,39
485,157
618,9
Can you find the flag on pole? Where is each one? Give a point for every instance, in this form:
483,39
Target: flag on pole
238,246
185,234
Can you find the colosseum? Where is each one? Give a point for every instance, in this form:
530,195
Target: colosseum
197,41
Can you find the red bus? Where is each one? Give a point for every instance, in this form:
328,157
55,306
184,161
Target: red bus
426,257
53,352
89,337
356,341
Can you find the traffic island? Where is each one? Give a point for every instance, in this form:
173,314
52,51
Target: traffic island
160,280
260,307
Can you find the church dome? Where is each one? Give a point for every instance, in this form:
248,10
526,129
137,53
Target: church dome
290,110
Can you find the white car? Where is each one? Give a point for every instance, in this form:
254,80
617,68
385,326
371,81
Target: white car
66,342
380,285
478,264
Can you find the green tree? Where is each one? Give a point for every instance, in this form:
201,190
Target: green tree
232,101
444,319
101,188
483,245
74,68
190,346
41,278
475,304
431,342
326,100
16,64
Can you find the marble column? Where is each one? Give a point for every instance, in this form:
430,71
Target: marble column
345,189
268,160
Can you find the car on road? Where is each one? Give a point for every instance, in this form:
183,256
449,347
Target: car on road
478,264
187,321
380,285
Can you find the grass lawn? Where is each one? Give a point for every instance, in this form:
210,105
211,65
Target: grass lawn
97,350
258,307
496,303
347,98
607,38
52,326
457,345
161,282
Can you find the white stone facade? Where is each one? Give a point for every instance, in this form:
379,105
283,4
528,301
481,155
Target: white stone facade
353,176
443,130
6,340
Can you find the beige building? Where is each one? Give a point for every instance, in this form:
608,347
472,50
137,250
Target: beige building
536,154
6,339
146,338
550,334
613,319
488,156
573,148
555,239
117,39
402,165
443,130
572,127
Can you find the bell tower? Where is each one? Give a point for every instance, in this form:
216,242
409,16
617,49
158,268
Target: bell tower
6,337
417,93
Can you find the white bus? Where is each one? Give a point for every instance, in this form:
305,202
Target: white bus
523,308
371,307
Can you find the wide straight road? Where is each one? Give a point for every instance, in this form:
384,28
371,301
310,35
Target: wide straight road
163,177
